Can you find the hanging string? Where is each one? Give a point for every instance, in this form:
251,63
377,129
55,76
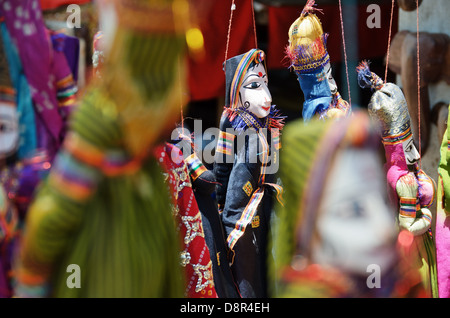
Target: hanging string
389,41
418,78
254,25
181,95
233,7
345,53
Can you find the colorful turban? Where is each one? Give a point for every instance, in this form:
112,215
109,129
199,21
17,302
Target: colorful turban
308,56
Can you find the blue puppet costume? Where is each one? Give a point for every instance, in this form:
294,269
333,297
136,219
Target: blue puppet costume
245,162
308,56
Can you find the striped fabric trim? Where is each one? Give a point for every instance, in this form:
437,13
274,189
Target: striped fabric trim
65,83
276,139
225,143
83,150
252,206
279,190
110,162
427,217
70,188
246,217
409,206
72,178
265,158
66,90
117,166
249,57
195,166
67,101
395,139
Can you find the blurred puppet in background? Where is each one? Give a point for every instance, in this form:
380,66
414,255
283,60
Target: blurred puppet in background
37,83
309,58
335,224
105,206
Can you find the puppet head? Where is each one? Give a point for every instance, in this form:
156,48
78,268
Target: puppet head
309,58
246,83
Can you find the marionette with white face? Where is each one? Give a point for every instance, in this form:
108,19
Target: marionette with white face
254,95
9,129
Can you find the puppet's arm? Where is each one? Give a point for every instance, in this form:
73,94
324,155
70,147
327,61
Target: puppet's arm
411,217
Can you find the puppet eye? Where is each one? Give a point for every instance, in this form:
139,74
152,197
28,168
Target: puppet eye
253,85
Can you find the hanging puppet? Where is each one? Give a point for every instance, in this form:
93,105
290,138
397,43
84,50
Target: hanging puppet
104,205
245,165
411,188
309,58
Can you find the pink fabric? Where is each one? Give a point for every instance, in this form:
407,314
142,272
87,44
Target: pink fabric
442,255
395,164
24,21
396,168
426,189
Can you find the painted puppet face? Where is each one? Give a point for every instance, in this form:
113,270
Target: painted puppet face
330,78
9,129
254,93
355,226
411,154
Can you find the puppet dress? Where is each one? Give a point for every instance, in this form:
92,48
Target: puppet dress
246,191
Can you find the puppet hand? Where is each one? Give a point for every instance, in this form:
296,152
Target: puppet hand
417,226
